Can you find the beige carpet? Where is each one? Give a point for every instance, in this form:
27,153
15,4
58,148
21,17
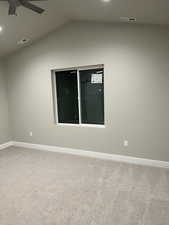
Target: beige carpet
43,188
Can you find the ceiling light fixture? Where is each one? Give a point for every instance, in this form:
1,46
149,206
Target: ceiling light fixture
106,1
1,28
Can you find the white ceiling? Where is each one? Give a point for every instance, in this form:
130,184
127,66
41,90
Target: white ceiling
58,12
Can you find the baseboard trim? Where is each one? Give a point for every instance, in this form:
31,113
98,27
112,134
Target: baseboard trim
6,145
98,155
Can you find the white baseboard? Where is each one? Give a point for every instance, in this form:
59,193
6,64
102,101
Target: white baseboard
6,145
104,156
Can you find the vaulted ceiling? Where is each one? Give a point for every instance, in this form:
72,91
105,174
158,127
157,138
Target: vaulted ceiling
58,12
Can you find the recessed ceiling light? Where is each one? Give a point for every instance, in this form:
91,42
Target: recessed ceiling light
23,41
1,28
106,1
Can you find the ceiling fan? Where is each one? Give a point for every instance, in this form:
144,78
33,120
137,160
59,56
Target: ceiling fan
13,4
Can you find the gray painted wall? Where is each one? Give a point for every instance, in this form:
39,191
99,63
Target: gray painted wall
136,62
4,119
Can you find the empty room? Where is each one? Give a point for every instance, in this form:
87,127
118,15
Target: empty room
84,112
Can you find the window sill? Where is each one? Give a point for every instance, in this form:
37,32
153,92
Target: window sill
80,125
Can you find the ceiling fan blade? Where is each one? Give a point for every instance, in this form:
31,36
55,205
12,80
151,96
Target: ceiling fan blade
12,10
12,7
31,6
29,0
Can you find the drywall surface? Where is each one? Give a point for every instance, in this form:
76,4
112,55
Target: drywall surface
136,59
4,117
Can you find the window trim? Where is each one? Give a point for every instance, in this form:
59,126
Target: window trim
54,94
81,125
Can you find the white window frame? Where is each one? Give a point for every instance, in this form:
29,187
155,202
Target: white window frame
55,105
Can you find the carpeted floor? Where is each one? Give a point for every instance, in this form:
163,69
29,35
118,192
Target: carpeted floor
45,188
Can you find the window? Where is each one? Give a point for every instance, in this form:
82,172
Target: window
67,97
80,95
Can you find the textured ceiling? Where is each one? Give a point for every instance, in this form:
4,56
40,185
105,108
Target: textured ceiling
58,12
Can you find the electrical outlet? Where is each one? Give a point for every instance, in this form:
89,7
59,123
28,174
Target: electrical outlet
125,143
30,134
